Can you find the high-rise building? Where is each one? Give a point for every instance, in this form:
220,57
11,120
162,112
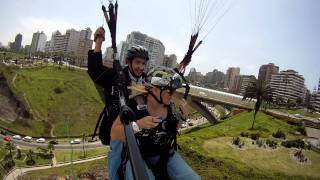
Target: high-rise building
16,45
85,42
154,46
266,71
230,78
214,79
27,49
38,42
72,38
288,85
108,59
193,69
59,43
245,80
170,61
47,46
76,43
195,77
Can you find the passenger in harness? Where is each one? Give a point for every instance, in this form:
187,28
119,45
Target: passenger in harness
155,130
136,59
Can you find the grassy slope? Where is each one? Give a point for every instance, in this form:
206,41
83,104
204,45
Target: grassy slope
66,170
64,155
210,164
78,105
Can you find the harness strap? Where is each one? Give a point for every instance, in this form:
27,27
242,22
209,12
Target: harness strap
124,160
101,116
154,96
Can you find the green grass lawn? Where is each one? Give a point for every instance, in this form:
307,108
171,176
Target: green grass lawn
65,98
220,161
278,160
65,155
67,170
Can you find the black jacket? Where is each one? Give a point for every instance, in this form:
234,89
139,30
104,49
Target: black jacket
106,78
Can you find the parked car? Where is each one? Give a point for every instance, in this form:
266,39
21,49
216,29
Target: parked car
183,125
53,142
17,137
27,139
41,140
75,141
298,116
93,140
7,138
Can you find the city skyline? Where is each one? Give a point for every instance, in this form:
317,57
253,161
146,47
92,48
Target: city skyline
251,34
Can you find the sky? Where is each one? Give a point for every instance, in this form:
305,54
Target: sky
251,33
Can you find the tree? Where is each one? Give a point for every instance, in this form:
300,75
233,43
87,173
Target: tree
8,159
279,100
30,160
51,148
261,92
299,101
18,154
10,147
83,147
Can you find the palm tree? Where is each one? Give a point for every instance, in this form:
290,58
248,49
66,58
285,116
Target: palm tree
83,147
30,160
261,92
50,148
10,147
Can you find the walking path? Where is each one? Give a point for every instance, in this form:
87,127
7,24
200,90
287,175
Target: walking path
20,171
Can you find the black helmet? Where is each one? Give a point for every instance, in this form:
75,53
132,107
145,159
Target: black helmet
137,52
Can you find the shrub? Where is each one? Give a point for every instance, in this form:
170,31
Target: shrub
58,90
260,143
301,157
272,144
30,162
236,141
255,136
302,130
279,134
295,143
243,134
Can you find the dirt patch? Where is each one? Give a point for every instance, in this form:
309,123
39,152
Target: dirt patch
10,106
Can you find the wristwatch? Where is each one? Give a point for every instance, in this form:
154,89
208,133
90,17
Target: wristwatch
135,127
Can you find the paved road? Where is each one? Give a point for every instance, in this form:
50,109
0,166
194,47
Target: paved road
20,171
61,145
306,118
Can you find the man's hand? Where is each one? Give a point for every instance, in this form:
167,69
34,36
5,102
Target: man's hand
148,122
99,37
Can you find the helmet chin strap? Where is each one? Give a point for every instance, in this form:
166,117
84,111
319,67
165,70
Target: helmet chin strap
155,97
